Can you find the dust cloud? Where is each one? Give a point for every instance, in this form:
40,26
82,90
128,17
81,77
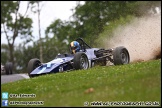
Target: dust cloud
142,38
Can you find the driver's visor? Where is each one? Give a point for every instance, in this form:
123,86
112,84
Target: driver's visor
73,48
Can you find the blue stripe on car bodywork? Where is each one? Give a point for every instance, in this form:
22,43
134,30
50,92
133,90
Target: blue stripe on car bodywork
44,68
51,67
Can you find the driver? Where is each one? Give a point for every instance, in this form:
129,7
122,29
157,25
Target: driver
75,47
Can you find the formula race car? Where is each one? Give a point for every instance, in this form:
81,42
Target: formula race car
86,58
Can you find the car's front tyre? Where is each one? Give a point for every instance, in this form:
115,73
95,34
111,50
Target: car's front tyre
32,64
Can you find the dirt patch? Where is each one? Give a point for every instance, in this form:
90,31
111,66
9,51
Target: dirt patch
142,38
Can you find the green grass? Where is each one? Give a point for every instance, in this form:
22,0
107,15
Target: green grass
132,82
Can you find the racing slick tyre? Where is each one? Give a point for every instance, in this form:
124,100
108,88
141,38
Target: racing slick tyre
9,68
32,64
80,61
121,56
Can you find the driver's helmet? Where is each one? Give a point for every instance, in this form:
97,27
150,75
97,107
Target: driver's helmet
75,47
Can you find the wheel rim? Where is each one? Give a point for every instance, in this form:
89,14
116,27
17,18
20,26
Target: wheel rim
124,57
84,62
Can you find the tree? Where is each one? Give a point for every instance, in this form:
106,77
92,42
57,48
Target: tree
60,33
91,17
4,53
14,24
40,39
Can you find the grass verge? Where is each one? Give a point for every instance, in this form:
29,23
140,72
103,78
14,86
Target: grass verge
136,82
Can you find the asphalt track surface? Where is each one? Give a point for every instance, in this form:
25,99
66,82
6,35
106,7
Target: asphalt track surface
13,78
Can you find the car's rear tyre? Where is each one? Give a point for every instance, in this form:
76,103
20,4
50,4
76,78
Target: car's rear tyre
121,56
32,64
9,68
80,61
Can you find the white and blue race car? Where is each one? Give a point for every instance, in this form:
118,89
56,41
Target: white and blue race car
86,58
